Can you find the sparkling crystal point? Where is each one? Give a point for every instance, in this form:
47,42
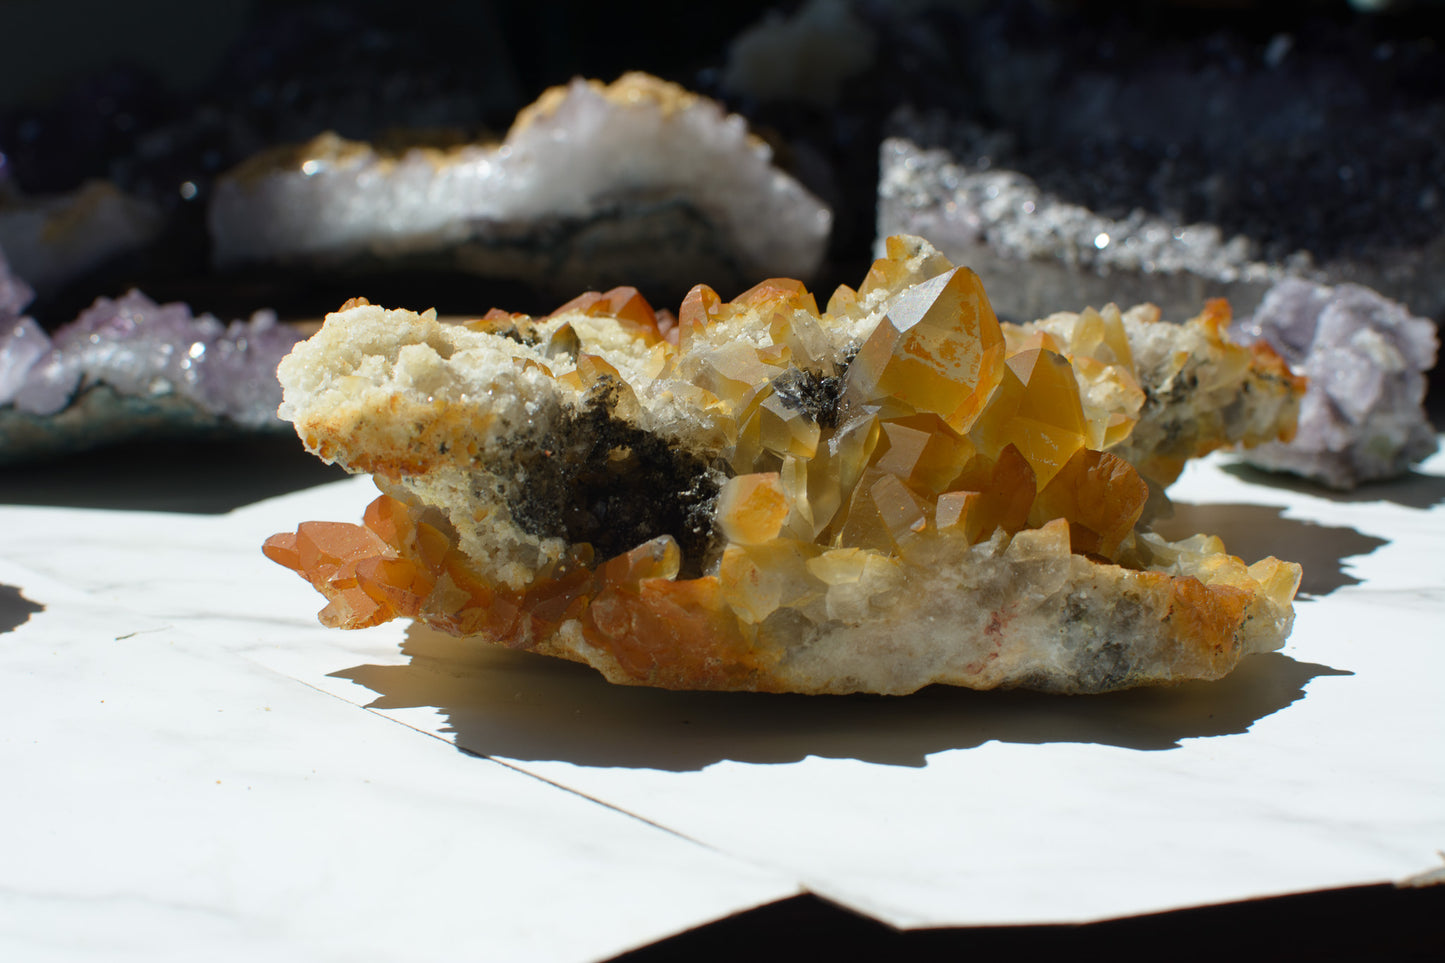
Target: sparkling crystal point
938,349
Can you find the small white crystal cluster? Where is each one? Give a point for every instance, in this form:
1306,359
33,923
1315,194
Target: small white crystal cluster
578,153
1366,356
1014,234
141,349
55,239
1015,216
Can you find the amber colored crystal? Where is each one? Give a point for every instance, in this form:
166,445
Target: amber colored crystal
1037,410
751,509
698,308
1005,488
625,304
939,349
844,472
1099,495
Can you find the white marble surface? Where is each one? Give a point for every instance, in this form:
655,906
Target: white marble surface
195,762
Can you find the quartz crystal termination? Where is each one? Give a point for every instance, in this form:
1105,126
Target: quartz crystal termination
128,367
1366,357
891,492
638,179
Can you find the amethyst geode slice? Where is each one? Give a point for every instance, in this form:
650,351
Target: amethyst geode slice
1366,356
129,367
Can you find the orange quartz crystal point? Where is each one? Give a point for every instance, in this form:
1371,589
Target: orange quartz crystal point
1048,425
389,519
1100,495
1216,315
281,549
673,634
939,349
697,310
752,508
785,290
625,304
1006,490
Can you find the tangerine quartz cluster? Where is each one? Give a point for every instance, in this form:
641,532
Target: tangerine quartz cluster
895,491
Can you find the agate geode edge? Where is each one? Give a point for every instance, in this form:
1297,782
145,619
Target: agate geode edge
893,491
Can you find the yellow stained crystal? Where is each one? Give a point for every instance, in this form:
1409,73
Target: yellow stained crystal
785,430
794,488
751,509
938,349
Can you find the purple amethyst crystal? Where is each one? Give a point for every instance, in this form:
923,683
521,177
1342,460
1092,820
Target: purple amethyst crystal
129,366
1362,418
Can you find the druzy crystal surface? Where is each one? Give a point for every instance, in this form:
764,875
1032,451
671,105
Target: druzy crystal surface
1004,223
128,366
638,177
892,491
1366,359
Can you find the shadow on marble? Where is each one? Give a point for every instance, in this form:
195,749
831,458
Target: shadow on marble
15,609
1414,490
516,705
209,477
1255,531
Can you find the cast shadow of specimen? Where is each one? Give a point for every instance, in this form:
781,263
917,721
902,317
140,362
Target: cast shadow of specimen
15,609
1415,489
514,705
196,476
1254,531
517,706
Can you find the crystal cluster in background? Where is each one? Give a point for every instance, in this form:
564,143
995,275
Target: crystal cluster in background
54,239
1366,356
1052,253
1311,151
15,294
130,367
1040,143
593,183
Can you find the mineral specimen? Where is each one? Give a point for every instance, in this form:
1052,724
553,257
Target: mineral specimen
1005,225
1366,356
638,178
129,367
15,294
1159,394
894,491
54,239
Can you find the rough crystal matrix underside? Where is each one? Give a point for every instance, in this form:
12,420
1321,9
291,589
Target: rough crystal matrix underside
891,492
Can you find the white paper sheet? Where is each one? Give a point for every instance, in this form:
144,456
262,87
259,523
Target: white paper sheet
1311,768
167,797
